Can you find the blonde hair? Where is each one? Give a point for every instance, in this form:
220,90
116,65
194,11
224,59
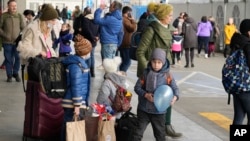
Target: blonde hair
163,10
44,28
151,7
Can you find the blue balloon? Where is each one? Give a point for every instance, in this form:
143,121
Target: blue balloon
163,96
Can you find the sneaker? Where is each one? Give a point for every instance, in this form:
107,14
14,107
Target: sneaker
206,56
171,132
186,66
192,65
100,67
16,76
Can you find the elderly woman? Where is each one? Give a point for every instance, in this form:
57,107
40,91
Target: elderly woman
36,40
157,35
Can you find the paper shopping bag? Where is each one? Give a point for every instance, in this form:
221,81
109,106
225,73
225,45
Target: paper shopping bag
75,130
106,130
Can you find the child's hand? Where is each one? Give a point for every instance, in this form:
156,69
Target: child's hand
173,100
149,97
77,111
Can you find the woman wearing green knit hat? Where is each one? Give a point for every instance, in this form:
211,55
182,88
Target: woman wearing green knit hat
158,34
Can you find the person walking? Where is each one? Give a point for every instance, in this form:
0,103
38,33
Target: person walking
111,28
11,25
129,27
203,32
189,30
158,34
229,30
241,102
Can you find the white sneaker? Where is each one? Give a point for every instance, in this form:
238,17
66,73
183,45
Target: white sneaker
100,67
206,56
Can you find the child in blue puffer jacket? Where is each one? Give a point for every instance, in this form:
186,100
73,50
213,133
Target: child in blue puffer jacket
78,81
64,40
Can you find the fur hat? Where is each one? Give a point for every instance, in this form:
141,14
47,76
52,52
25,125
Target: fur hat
48,13
245,26
163,10
82,45
159,54
111,65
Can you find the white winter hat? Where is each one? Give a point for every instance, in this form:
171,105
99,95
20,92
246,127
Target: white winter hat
111,65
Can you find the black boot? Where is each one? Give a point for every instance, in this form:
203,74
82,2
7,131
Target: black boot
16,76
9,79
92,72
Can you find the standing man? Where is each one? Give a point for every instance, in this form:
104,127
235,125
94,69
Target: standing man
11,24
111,28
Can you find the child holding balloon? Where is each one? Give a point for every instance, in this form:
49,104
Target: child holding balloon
152,102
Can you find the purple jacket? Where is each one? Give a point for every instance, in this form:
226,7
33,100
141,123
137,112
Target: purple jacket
204,29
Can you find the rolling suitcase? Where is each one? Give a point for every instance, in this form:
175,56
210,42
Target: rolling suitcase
43,116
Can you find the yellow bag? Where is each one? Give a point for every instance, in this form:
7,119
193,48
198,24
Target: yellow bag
106,130
75,130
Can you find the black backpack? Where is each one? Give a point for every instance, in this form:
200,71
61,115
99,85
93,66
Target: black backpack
51,73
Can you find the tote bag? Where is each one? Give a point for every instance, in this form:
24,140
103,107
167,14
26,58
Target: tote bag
75,130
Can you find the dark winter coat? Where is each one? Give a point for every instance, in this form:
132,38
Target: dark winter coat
189,30
90,30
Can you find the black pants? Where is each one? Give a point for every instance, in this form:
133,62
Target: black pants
226,49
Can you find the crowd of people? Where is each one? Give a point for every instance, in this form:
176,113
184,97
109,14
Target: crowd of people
161,42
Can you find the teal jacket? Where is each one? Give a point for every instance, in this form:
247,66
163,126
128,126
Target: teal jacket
154,36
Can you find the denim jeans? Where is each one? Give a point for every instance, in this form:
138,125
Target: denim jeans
91,60
12,60
108,50
158,124
241,108
126,62
203,41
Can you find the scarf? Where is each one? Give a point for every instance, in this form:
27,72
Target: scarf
151,81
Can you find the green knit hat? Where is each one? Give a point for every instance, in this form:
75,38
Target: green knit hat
48,13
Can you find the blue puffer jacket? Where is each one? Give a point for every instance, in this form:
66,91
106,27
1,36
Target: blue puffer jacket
111,27
143,103
78,82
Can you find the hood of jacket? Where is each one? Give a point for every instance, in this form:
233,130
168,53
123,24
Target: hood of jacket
74,59
90,16
189,20
117,14
239,41
117,78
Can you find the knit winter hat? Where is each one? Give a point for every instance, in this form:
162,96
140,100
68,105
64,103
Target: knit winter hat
159,54
48,13
245,26
111,65
163,10
82,45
